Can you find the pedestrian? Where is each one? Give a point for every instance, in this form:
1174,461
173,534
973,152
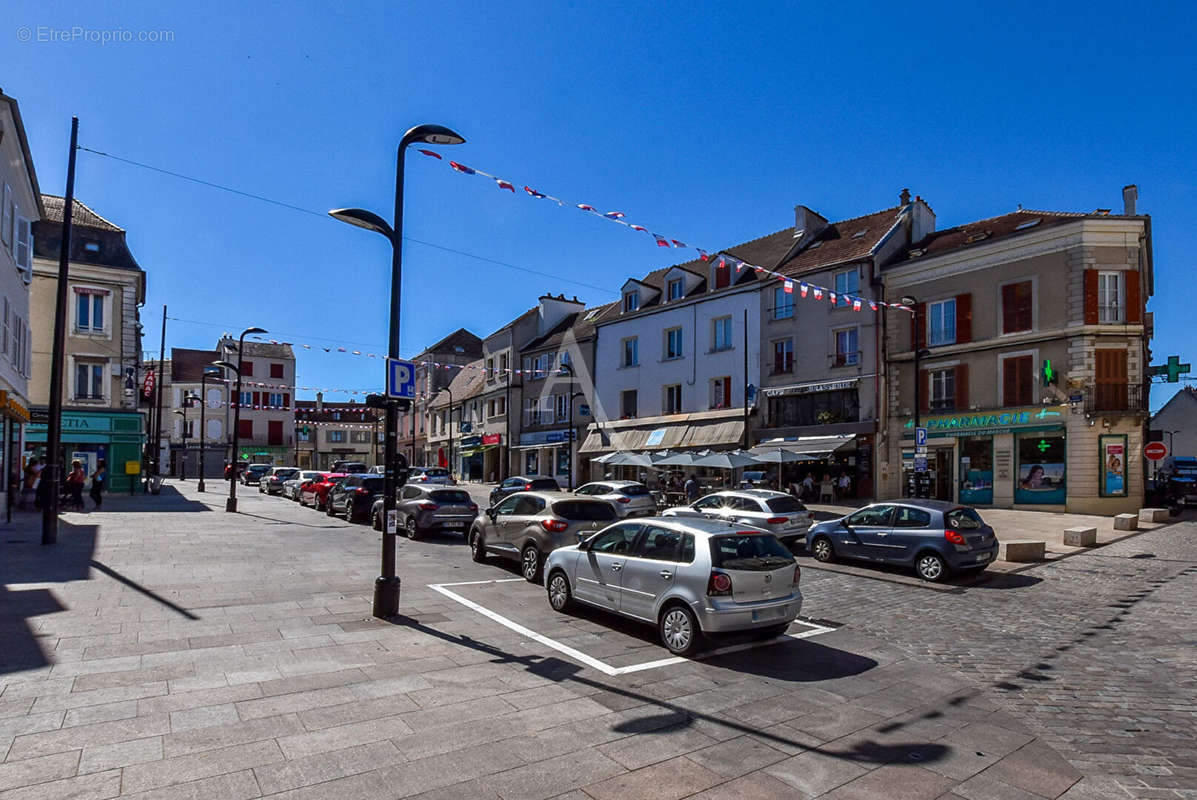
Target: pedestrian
691,488
808,488
845,485
75,483
29,483
98,481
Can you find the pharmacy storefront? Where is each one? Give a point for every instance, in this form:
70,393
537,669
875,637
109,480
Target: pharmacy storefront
1003,458
89,436
546,453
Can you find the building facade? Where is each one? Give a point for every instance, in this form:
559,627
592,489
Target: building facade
452,416
101,417
501,392
1033,347
328,432
267,415
193,409
435,368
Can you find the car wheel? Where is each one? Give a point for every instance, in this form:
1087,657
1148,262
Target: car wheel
477,546
560,597
410,529
822,549
377,522
679,630
930,567
530,564
328,508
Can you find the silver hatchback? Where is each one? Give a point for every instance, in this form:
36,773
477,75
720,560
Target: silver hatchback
781,514
689,577
631,499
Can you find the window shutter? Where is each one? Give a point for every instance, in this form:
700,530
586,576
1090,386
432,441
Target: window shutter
24,248
961,384
918,326
1091,297
925,400
1134,297
257,398
286,399
964,318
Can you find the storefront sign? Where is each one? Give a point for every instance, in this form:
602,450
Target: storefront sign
1004,421
147,386
471,441
810,388
655,437
544,437
492,438
1113,465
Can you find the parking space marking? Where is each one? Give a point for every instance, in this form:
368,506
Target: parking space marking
591,661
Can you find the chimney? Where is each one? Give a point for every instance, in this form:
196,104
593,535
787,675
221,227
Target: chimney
319,402
904,198
1130,200
807,225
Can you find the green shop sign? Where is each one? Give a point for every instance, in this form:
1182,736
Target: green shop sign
989,422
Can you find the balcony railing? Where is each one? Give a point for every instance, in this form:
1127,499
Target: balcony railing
1107,397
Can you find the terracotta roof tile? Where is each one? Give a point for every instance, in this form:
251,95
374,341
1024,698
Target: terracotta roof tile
80,215
843,241
986,230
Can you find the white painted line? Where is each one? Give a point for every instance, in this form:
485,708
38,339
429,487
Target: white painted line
602,666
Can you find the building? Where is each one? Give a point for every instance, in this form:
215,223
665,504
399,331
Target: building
435,368
101,418
1033,346
452,416
266,416
1176,423
20,210
501,394
183,393
328,432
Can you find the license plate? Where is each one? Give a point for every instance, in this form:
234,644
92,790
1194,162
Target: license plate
769,613
454,525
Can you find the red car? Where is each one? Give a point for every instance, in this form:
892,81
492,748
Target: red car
316,492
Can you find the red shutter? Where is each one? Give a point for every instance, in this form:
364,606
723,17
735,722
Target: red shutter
1134,298
918,326
964,318
1091,297
247,369
727,392
286,400
257,398
925,400
961,383
245,429
274,432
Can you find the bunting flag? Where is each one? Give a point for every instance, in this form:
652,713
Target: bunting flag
788,286
664,241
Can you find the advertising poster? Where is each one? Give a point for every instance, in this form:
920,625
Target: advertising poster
1113,466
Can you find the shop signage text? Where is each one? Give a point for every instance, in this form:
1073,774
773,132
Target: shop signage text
827,386
492,438
988,422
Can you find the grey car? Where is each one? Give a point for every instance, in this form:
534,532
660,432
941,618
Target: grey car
932,536
527,526
291,487
777,512
272,482
429,507
630,499
688,577
253,474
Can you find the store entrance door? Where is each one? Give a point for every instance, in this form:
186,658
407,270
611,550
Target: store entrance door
944,484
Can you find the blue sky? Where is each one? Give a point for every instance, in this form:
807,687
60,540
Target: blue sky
705,122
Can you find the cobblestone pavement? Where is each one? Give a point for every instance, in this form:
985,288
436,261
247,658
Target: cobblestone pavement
165,649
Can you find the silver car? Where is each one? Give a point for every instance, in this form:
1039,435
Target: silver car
777,512
631,499
291,487
272,482
689,577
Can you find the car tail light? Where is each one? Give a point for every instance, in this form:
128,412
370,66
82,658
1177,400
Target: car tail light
427,506
623,499
527,487
797,574
955,537
777,520
360,490
554,525
473,506
719,585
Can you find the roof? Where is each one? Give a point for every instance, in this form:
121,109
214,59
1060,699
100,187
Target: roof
95,240
578,326
25,152
468,382
267,349
81,215
524,317
468,343
187,366
841,242
987,230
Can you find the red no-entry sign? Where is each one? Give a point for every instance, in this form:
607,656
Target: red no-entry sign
1155,451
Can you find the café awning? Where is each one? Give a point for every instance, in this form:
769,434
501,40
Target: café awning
711,429
817,446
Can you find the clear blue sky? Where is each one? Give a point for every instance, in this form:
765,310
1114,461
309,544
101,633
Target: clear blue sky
705,122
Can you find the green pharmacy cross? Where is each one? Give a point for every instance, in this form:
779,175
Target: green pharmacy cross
1043,445
1173,369
1049,373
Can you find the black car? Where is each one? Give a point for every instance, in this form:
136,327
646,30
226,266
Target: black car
354,496
354,467
522,483
254,473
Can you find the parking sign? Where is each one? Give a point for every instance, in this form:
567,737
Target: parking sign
920,437
401,379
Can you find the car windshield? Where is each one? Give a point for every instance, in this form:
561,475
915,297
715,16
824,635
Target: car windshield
963,519
784,505
754,553
584,510
633,490
450,496
337,479
259,468
545,483
286,474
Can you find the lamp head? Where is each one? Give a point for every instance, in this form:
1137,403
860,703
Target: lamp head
248,331
226,365
433,134
907,300
363,219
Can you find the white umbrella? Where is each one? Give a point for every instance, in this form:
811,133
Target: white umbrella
780,456
674,459
732,460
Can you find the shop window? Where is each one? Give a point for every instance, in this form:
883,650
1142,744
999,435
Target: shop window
1041,470
1018,375
976,471
943,389
817,408
532,462
941,322
1017,307
673,399
783,357
562,460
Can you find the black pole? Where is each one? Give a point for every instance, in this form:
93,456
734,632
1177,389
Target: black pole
747,440
58,355
451,470
203,431
230,505
157,460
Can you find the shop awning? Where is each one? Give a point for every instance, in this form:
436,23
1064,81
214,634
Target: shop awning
817,446
473,451
723,428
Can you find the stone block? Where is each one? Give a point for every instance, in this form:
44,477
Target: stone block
1126,522
1080,537
1153,515
1021,550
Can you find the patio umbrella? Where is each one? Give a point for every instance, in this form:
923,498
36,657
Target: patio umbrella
780,456
732,460
606,457
631,460
674,459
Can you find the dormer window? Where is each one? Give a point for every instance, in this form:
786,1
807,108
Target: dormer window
91,247
677,289
631,301
722,275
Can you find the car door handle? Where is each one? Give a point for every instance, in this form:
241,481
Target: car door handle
666,574
616,567
881,534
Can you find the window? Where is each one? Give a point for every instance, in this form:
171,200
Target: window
873,516
274,400
246,399
721,333
89,380
847,352
846,283
673,343
1111,298
1018,380
722,275
500,406
672,403
627,404
89,312
721,393
659,544
1017,307
816,408
335,437
247,369
908,517
532,462
618,539
783,356
563,408
943,389
631,352
783,303
676,289
710,502
941,322
502,363
1111,380
490,369
631,301
276,370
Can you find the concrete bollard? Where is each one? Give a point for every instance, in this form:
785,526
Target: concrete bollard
1021,550
1080,537
1126,522
1153,515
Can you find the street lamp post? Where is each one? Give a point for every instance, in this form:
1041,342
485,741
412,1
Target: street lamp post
187,400
450,458
235,434
207,372
919,353
386,586
570,434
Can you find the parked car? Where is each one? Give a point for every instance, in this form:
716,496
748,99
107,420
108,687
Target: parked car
522,483
438,475
348,467
777,512
932,536
687,576
1182,480
378,469
527,526
272,482
291,487
429,507
316,492
631,499
253,473
354,496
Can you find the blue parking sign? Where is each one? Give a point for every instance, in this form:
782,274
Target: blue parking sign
920,437
401,379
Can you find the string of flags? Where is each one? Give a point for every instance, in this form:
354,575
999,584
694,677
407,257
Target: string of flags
804,288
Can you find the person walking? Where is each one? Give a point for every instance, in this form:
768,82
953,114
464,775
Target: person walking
808,488
75,482
691,488
98,481
845,485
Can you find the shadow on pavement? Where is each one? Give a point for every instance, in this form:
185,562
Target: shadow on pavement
168,499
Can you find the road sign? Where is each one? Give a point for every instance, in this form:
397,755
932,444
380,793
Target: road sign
1155,451
401,379
920,437
920,464
920,451
584,410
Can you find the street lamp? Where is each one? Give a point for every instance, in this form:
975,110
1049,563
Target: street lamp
386,586
208,372
231,504
919,353
450,391
566,367
188,399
